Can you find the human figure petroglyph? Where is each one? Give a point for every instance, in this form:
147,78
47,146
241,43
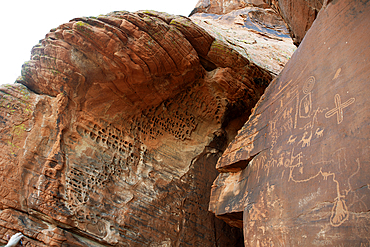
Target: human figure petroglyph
306,129
285,118
305,105
290,110
339,108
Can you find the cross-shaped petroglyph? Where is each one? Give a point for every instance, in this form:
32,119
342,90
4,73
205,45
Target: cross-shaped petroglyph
339,108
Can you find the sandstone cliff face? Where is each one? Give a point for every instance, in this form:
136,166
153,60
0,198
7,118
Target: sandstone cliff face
297,172
256,33
113,137
297,14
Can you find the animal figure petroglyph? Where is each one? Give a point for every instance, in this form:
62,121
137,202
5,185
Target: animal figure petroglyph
319,132
291,139
306,140
308,124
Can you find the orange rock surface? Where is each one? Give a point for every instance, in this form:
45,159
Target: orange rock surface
256,33
297,14
111,136
297,173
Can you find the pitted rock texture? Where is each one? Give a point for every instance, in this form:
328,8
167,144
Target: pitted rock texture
297,172
113,137
297,14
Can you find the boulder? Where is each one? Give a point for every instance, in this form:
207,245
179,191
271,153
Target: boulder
256,33
297,14
111,135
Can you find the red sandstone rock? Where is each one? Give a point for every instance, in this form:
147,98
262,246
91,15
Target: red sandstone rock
225,6
258,34
297,14
115,140
298,170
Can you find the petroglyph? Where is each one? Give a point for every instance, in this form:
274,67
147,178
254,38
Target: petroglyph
305,106
308,85
339,108
339,212
305,130
337,73
306,140
285,119
291,140
319,132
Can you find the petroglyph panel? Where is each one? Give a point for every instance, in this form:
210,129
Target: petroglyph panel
303,132
305,180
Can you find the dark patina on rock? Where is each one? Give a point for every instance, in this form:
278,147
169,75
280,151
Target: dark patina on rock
299,168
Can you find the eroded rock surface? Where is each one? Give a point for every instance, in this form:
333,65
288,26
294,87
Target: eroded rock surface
297,172
258,34
113,137
297,14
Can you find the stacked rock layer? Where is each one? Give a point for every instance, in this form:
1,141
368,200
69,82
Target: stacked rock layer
113,137
297,14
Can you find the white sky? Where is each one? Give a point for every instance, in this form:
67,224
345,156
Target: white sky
24,22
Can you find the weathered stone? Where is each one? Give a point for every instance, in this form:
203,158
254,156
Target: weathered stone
114,138
225,6
298,14
258,34
298,170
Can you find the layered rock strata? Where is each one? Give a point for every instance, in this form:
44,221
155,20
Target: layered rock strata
297,172
258,34
297,14
111,136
